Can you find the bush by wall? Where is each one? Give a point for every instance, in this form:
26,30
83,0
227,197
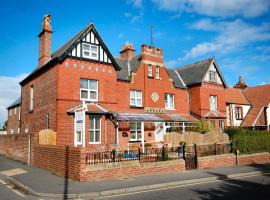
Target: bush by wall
249,141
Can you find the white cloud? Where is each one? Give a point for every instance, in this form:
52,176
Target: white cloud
136,3
231,35
10,90
134,17
216,8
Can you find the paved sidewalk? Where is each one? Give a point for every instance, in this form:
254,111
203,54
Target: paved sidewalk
43,181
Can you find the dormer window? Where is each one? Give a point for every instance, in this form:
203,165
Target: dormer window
212,76
90,51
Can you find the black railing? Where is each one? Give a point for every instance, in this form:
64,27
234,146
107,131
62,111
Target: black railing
142,155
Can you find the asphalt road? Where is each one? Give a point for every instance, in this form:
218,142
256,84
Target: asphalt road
254,188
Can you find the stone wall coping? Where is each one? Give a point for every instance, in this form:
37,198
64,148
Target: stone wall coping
134,163
216,157
254,154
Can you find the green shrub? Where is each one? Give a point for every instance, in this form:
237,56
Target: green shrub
202,126
249,141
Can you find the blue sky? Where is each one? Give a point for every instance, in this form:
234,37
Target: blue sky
235,32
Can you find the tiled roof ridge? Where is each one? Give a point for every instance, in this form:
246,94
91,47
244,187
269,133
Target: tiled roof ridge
188,65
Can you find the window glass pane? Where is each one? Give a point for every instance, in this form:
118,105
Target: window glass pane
133,135
84,94
83,83
86,47
94,55
97,123
94,48
79,136
93,84
139,102
132,126
132,93
93,95
91,136
86,54
132,101
92,123
97,136
139,94
138,125
139,135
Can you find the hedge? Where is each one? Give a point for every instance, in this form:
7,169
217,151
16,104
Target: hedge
249,141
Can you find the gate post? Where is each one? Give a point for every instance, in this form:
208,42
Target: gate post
196,160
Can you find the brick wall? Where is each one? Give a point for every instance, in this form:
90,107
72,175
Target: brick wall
256,158
15,146
63,160
14,120
225,160
130,168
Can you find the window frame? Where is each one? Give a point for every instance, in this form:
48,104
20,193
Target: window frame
238,115
221,125
31,99
89,51
137,139
171,97
94,129
150,71
216,102
212,74
157,72
88,90
136,98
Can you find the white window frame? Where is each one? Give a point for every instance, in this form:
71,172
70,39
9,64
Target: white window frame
10,112
137,98
213,103
90,51
88,90
157,72
150,71
31,100
169,105
94,129
238,113
212,76
136,130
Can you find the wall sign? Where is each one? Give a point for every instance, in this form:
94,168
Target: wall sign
154,96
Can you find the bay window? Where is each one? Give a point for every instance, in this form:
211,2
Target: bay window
135,131
95,129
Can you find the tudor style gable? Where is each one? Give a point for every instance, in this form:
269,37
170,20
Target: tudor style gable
212,75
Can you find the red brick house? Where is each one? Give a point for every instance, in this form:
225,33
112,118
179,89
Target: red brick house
206,87
92,99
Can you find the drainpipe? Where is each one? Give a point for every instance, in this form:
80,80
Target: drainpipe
29,150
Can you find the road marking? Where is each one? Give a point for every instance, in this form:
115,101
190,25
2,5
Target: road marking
13,172
178,186
3,182
11,188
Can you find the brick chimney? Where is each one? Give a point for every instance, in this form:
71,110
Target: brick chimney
241,84
127,52
45,41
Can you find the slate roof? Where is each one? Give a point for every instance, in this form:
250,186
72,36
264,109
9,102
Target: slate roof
259,98
236,96
134,64
15,103
177,79
194,73
59,54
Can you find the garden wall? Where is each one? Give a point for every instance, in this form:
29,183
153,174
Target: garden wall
15,146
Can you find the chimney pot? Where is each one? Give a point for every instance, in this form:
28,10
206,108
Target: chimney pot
128,51
45,41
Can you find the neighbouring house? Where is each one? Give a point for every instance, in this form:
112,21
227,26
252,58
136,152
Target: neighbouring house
206,86
237,107
14,117
259,115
